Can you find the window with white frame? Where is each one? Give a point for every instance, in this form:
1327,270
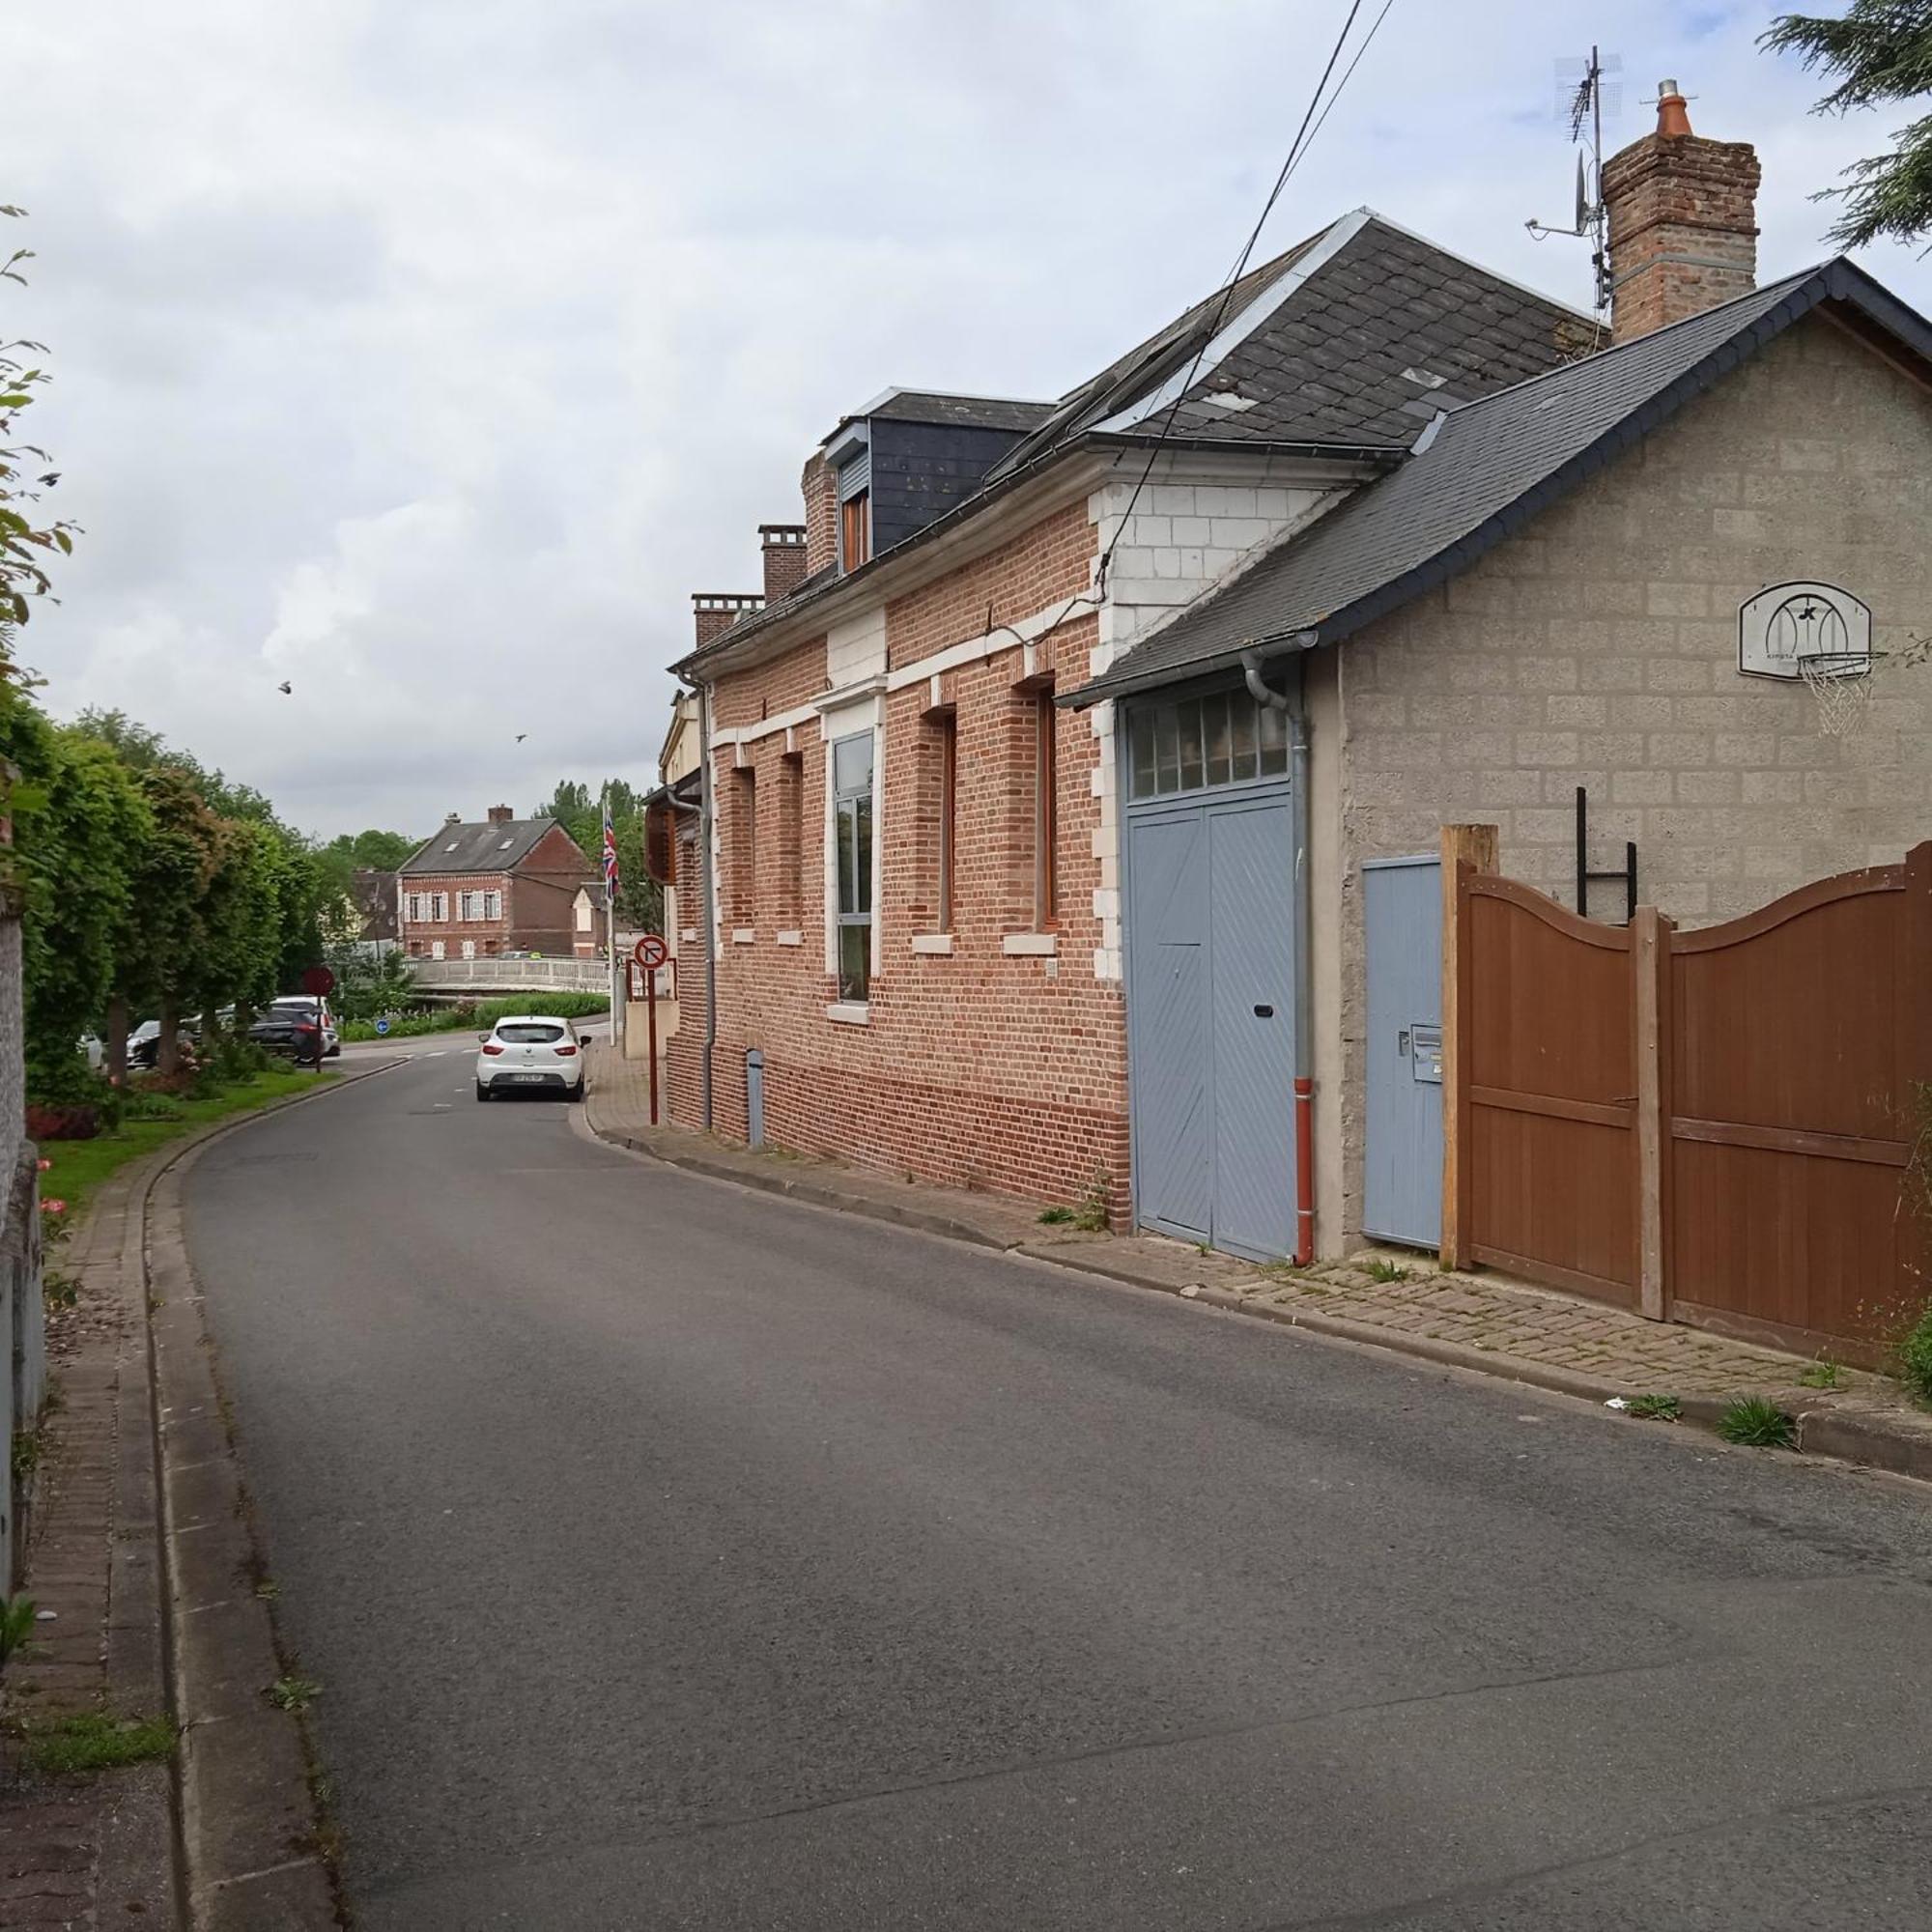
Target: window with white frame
852,830
492,906
466,905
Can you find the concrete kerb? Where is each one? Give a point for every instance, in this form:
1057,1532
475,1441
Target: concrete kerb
1868,1439
245,1817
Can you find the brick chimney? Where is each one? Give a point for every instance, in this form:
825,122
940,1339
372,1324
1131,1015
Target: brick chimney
718,611
1683,214
783,548
500,815
821,514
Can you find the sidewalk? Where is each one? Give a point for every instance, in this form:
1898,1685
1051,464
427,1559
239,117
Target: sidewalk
95,1849
1482,1322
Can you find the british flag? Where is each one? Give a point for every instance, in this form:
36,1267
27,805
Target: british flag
609,850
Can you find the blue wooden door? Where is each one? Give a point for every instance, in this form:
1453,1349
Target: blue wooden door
1210,1021
1401,1183
1251,848
1168,1032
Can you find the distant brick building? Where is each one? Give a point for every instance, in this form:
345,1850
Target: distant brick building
507,885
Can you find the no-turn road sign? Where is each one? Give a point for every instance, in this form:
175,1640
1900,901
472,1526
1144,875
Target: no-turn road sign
650,952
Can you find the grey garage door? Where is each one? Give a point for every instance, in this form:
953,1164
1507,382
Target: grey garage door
1211,1013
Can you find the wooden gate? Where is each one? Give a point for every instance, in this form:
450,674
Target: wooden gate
1715,1126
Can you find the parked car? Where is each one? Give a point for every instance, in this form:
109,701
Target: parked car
531,1053
279,1024
144,1043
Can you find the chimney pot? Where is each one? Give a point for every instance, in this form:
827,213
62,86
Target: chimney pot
1673,111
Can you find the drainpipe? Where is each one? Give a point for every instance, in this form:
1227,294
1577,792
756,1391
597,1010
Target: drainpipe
1296,709
706,918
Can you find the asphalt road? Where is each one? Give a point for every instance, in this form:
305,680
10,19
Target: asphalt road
675,1556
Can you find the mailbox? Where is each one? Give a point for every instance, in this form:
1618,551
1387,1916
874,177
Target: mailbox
1426,1056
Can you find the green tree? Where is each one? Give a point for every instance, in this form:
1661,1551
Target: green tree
240,959
80,827
166,933
579,811
372,851
1881,51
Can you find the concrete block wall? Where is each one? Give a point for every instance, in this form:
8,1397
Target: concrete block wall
1600,648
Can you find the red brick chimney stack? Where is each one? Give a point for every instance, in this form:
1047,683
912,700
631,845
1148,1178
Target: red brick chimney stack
718,611
783,548
1683,214
500,814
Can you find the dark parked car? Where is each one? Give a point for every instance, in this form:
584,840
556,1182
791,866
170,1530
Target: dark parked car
291,1030
289,1027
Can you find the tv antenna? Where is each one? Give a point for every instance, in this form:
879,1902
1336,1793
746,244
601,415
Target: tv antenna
1585,90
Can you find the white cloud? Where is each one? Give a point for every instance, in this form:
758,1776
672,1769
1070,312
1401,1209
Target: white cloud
429,357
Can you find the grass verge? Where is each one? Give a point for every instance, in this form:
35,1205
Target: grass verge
79,1167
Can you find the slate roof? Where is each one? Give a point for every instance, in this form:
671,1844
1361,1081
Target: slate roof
1352,340
1357,336
931,406
1490,467
478,849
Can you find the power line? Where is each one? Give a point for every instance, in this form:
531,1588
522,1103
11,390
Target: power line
1303,139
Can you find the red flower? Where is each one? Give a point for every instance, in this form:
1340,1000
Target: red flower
51,1206
43,1163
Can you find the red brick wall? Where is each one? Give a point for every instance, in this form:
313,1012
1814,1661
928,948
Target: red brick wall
751,697
978,1069
490,935
1047,564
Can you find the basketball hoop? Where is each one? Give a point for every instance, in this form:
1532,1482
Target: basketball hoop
1840,684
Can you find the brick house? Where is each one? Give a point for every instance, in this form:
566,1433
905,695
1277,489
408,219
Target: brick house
507,885
914,849
1577,611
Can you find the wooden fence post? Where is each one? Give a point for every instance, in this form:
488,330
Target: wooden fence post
1650,973
1475,848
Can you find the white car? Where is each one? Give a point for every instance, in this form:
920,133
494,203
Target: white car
533,1054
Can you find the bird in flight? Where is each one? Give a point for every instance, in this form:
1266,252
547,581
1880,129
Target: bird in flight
287,689
521,736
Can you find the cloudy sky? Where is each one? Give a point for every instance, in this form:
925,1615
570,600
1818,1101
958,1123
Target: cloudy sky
429,353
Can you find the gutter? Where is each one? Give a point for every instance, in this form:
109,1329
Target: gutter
1297,708
1237,656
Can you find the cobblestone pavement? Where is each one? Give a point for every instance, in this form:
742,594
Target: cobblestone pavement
92,1850
1516,1323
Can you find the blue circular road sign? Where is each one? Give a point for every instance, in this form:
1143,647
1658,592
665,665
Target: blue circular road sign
382,1029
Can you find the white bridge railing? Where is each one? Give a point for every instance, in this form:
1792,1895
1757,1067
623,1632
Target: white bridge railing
510,975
